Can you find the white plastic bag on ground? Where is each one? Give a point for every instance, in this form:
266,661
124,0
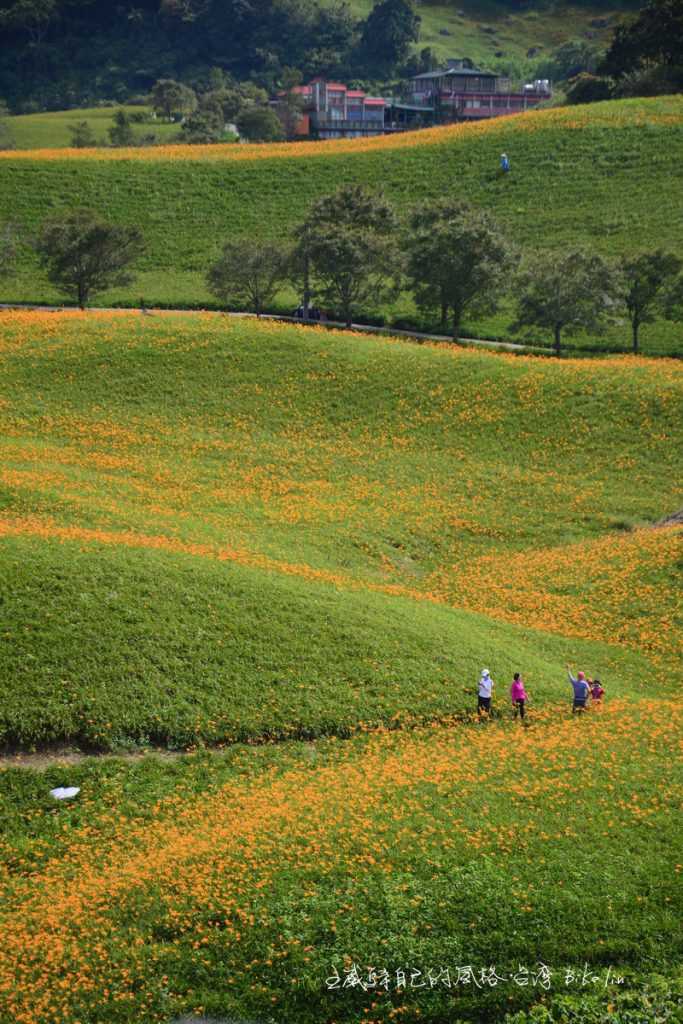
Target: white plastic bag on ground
65,792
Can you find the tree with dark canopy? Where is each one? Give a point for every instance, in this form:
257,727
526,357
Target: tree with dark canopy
646,283
83,254
248,272
457,260
347,245
388,34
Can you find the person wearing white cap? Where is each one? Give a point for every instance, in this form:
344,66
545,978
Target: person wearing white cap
504,163
486,685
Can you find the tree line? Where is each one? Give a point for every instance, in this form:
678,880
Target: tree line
352,250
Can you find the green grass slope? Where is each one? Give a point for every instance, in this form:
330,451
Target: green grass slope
607,176
218,529
52,129
215,529
482,29
105,647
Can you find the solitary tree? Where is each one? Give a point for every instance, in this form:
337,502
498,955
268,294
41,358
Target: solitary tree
645,283
82,135
347,244
204,126
571,291
170,98
248,272
84,254
457,260
121,132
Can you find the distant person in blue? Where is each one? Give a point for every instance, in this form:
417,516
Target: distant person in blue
581,690
504,163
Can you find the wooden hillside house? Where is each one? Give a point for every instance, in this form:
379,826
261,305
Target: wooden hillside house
461,91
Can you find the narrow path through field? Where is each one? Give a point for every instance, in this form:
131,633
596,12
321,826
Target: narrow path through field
390,332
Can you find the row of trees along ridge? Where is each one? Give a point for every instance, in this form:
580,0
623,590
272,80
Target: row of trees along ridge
351,250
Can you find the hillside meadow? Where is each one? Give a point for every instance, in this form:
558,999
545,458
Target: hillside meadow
52,129
289,552
330,514
606,176
471,875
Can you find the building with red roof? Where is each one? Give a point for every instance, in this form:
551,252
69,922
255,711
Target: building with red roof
333,111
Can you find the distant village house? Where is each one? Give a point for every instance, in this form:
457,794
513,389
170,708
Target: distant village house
333,111
460,91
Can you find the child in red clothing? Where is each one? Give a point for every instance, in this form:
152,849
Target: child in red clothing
597,692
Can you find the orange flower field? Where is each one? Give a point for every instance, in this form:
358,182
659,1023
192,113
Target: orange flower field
286,553
205,883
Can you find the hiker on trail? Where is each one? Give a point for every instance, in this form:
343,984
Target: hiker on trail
504,163
581,690
486,685
597,692
518,696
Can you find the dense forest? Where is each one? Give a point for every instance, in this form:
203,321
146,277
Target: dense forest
60,54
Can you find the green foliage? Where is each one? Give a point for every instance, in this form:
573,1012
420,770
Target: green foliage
29,16
170,98
6,137
390,29
645,280
248,272
83,254
82,53
596,179
653,36
225,102
260,124
9,243
349,239
567,291
121,132
587,88
203,127
569,60
82,135
457,260
657,80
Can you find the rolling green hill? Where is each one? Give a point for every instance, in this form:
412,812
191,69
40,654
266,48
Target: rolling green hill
218,529
607,175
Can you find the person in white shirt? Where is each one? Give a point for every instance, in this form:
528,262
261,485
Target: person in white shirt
486,685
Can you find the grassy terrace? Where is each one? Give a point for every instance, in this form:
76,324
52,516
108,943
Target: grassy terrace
214,530
607,176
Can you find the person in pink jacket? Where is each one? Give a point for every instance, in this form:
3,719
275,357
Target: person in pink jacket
518,696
